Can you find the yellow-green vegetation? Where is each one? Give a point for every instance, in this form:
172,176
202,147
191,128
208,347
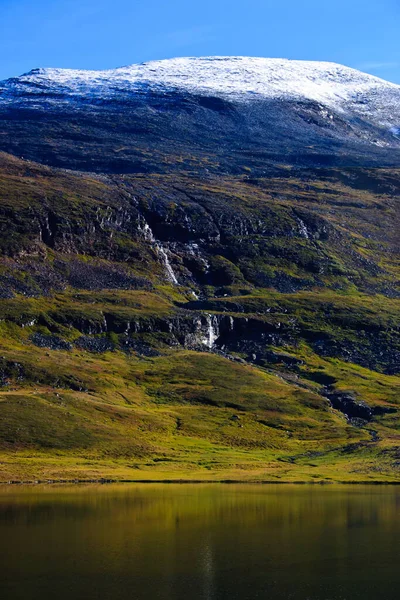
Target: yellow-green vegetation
275,357
186,415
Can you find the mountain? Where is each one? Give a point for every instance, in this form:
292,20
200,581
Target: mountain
199,273
211,114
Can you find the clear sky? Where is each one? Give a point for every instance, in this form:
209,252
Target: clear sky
102,34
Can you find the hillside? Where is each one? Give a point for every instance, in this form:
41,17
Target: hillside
188,308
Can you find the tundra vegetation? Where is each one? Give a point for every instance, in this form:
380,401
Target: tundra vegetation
176,327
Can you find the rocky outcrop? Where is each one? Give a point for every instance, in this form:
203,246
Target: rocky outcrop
52,342
354,408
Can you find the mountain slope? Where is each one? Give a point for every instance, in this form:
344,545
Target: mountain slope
210,114
112,367
217,296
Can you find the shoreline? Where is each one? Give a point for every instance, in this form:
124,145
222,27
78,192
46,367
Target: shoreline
189,482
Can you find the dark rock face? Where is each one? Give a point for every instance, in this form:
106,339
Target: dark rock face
372,349
350,406
53,342
94,344
42,280
139,347
353,408
89,276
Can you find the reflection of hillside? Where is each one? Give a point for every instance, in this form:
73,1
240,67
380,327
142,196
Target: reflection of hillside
198,504
174,539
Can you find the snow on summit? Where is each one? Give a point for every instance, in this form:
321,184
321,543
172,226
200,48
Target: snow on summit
320,81
240,78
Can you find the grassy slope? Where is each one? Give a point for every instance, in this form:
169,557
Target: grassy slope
184,414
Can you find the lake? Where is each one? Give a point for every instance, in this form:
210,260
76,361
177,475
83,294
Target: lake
208,542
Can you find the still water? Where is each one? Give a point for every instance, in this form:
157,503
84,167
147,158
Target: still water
200,542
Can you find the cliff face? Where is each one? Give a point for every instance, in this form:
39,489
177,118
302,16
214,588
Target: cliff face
315,236
215,312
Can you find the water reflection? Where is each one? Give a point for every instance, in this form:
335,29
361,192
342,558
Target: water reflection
210,542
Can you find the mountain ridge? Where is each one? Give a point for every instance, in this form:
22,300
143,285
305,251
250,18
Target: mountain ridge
241,70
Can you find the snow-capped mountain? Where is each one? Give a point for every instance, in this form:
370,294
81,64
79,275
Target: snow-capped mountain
237,78
278,106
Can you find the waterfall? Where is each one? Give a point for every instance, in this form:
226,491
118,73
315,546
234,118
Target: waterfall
145,229
147,232
148,235
212,333
303,229
170,272
29,323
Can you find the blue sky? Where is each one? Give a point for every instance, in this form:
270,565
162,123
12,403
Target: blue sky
101,34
